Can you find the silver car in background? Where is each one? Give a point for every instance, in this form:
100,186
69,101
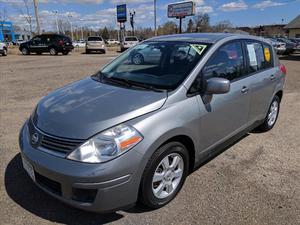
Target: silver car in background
133,131
128,42
95,44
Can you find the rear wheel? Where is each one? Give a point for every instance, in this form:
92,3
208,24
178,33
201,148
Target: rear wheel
164,175
87,51
25,51
272,115
137,59
53,51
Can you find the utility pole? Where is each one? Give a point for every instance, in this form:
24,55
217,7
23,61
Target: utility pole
36,11
155,30
70,16
55,13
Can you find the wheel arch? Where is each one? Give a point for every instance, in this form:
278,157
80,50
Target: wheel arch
188,143
279,94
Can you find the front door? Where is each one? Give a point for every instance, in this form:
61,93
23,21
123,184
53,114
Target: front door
224,115
36,44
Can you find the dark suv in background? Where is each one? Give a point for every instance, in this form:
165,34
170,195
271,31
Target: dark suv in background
52,43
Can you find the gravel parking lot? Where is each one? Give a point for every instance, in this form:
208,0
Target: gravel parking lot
255,181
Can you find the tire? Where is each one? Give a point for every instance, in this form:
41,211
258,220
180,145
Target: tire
25,51
87,51
137,59
271,116
53,51
149,193
65,52
4,52
38,53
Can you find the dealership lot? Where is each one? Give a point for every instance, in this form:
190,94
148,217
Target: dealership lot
256,181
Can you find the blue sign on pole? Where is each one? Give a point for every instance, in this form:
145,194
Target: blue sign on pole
7,31
121,13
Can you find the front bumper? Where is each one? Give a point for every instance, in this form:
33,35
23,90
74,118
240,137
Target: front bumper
93,187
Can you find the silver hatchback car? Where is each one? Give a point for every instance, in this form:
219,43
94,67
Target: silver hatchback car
133,131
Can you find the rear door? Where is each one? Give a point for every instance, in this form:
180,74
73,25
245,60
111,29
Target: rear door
224,115
263,76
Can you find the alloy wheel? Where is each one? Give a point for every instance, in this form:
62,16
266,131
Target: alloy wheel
167,175
273,113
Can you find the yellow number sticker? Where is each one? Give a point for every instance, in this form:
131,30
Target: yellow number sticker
267,54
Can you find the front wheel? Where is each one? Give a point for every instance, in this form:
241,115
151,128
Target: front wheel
164,175
25,51
272,115
65,52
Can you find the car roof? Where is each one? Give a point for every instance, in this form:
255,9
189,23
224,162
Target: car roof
202,37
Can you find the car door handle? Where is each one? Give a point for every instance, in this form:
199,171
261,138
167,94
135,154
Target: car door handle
244,90
272,77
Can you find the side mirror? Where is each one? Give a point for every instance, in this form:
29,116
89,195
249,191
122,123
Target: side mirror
217,85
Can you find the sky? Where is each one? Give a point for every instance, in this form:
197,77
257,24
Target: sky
96,14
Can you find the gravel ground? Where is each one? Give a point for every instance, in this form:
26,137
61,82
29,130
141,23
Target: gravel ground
255,181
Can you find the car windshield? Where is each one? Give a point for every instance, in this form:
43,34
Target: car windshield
162,65
94,39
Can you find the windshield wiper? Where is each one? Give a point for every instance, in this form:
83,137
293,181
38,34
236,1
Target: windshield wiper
130,83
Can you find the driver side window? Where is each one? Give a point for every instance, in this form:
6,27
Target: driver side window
227,62
36,40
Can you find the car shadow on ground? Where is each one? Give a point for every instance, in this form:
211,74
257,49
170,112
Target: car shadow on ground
23,191
294,57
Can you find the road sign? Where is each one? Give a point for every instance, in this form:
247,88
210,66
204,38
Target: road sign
181,9
121,13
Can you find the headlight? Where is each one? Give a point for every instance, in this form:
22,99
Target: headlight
107,145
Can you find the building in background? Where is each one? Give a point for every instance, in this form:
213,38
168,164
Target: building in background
293,28
276,30
7,31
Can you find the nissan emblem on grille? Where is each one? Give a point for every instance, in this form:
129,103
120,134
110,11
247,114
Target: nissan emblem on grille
35,138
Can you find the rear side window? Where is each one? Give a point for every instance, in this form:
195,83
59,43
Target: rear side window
94,39
131,39
227,62
259,56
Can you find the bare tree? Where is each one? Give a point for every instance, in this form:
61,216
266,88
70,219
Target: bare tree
222,26
24,10
202,22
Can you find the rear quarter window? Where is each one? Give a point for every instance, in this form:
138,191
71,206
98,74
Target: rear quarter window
94,39
131,39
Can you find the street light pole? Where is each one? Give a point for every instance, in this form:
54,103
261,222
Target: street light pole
155,30
55,13
36,11
70,16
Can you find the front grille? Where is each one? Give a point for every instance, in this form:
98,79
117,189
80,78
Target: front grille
48,184
57,145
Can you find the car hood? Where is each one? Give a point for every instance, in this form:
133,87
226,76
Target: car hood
86,107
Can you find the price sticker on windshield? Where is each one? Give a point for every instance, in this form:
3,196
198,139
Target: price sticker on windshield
199,48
